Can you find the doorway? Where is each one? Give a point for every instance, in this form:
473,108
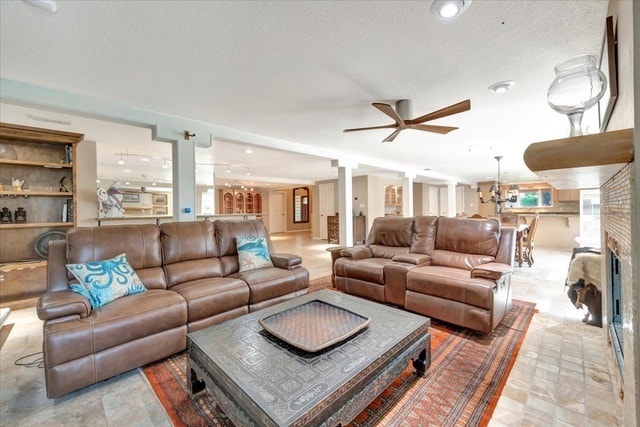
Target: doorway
327,207
277,212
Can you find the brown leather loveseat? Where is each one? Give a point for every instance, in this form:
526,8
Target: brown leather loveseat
191,274
456,270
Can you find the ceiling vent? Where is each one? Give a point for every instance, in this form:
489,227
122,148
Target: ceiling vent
47,120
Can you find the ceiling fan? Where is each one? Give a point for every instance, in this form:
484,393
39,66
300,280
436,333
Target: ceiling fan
403,107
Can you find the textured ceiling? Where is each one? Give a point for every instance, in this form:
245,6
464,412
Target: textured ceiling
303,71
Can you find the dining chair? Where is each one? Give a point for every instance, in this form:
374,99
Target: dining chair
508,218
528,242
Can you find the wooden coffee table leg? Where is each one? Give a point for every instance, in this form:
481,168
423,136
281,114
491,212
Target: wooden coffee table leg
193,383
420,364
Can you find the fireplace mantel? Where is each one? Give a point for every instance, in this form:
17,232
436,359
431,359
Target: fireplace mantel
586,161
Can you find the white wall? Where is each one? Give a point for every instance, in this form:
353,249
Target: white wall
86,186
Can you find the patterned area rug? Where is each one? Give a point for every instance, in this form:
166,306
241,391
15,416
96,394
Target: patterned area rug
462,386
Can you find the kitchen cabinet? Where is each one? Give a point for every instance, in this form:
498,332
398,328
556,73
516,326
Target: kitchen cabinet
567,195
240,202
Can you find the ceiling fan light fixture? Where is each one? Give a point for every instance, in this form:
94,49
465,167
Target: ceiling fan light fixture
502,87
449,9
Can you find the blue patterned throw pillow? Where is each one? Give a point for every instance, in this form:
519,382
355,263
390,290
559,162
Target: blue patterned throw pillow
253,253
104,281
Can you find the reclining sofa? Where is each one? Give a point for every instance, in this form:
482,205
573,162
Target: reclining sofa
455,270
191,274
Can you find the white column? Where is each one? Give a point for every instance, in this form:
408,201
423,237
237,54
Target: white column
184,180
345,201
407,195
451,198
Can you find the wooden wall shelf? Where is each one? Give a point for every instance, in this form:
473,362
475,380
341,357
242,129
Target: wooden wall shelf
586,161
51,165
36,193
36,225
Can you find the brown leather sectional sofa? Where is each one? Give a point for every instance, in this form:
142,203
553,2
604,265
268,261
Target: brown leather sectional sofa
456,270
191,273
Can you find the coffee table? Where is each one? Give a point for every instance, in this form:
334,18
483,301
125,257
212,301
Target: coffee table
259,380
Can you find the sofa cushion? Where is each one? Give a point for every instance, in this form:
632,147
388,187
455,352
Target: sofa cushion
459,260
478,237
423,239
190,251
390,231
189,240
368,269
272,282
253,253
141,243
379,251
102,282
226,233
451,284
209,297
126,319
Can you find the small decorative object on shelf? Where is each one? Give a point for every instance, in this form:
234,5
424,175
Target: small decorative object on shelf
68,153
69,210
16,184
5,216
578,86
20,216
66,185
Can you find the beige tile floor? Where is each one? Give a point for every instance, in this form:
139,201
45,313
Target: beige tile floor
562,376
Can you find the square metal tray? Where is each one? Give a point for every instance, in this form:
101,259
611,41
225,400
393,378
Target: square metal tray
314,325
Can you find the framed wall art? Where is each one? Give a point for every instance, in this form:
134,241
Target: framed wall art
608,65
130,198
159,199
160,210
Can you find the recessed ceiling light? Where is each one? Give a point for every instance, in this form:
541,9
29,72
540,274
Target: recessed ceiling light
248,151
153,183
144,159
126,183
126,170
449,9
97,181
48,5
502,87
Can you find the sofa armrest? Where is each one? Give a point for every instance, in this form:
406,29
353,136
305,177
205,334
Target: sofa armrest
286,261
492,271
415,259
57,304
356,253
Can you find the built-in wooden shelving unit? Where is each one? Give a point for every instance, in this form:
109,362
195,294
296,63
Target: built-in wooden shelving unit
586,161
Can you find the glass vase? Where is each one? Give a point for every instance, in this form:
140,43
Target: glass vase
578,86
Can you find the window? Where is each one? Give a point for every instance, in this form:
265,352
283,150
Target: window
590,218
534,198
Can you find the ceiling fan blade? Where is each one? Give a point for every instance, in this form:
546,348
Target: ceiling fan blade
389,111
392,136
433,128
444,112
373,127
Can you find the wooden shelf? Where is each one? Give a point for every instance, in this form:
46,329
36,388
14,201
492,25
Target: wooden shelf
36,225
50,165
6,266
36,193
586,161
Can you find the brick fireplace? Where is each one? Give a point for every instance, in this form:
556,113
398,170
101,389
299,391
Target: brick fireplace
619,299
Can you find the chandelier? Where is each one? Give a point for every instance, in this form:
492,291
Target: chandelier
496,193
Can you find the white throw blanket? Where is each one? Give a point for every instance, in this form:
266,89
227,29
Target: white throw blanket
585,266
